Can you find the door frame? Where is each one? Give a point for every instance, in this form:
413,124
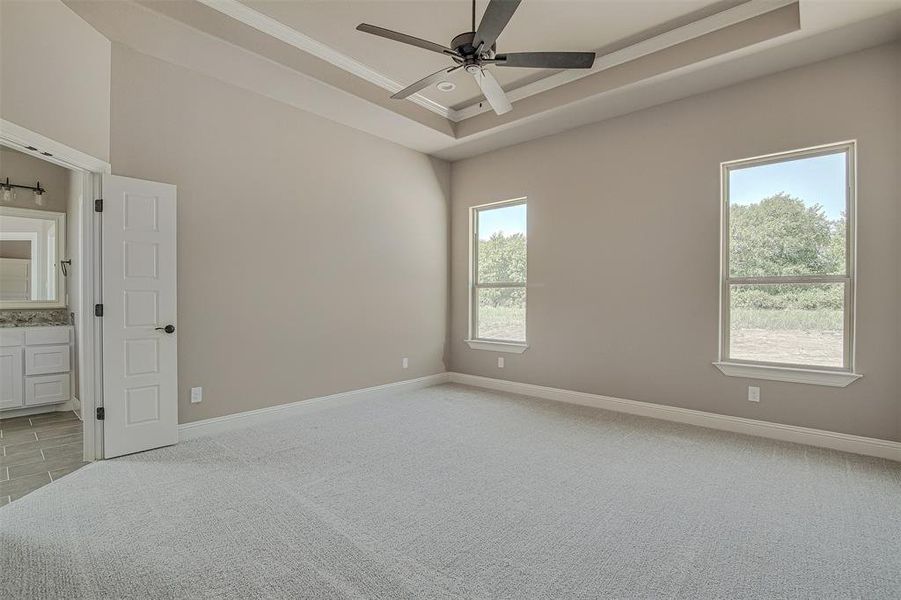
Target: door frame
90,355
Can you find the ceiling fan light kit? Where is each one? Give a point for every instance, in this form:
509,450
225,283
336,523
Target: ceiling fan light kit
473,51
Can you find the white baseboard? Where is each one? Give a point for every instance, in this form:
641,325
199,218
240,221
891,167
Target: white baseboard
776,431
40,409
242,419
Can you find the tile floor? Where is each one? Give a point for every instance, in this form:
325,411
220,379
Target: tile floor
36,450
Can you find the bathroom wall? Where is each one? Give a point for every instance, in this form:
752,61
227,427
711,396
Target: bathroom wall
27,170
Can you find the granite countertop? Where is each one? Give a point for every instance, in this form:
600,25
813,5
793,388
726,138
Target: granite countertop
35,318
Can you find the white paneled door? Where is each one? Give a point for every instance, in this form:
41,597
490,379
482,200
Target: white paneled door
140,378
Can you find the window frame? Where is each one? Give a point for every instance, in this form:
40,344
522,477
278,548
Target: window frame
798,372
495,344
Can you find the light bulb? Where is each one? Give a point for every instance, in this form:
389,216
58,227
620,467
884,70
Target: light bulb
39,197
6,195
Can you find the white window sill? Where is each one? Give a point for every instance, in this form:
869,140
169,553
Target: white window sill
509,347
790,374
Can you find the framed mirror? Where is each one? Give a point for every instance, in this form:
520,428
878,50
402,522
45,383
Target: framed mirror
32,244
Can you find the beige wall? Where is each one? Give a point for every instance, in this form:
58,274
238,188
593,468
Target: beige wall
311,257
28,170
624,234
15,249
55,70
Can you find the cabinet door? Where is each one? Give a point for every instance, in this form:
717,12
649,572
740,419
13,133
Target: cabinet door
11,377
46,389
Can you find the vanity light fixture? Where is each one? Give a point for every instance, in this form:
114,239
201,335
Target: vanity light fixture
8,191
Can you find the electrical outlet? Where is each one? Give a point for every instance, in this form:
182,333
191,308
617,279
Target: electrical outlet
753,394
405,362
196,395
500,362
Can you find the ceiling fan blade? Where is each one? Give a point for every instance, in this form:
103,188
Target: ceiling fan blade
546,60
496,17
425,82
494,94
404,38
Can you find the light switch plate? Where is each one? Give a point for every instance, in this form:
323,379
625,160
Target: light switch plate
196,395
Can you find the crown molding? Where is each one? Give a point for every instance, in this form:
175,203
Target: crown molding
253,18
667,39
30,142
265,24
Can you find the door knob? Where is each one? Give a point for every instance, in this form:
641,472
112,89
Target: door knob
167,328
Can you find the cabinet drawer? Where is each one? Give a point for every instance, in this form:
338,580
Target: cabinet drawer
46,359
46,335
46,389
11,337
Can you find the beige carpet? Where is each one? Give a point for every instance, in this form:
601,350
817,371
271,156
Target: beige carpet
453,492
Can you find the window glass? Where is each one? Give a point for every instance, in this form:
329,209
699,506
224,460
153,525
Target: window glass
787,280
502,314
788,218
500,265
788,323
502,244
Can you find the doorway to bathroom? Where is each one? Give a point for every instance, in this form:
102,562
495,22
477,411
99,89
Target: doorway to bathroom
42,416
88,314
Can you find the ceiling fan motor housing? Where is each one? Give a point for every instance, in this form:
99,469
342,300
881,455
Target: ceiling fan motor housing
463,44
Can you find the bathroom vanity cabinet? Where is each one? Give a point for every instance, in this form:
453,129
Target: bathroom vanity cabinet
35,366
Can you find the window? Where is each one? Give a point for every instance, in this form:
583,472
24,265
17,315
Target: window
788,279
498,291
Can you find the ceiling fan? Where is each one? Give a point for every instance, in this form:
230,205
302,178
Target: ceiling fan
475,50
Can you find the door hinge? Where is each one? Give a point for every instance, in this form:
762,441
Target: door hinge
100,413
98,205
98,310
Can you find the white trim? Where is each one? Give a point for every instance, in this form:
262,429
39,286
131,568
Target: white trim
90,353
798,373
90,350
474,286
494,346
667,39
775,431
42,147
789,433
790,374
196,429
261,22
253,18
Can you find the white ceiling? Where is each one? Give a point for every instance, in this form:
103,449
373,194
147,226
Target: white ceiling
537,25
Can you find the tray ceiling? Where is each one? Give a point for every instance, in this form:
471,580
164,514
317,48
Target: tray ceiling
308,54
538,25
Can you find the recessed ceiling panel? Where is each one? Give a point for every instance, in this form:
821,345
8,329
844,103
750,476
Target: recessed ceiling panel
538,25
